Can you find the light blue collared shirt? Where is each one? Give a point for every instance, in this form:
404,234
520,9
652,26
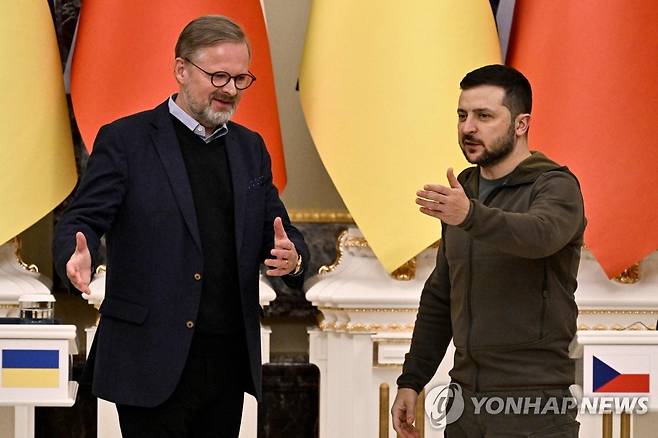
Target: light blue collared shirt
194,126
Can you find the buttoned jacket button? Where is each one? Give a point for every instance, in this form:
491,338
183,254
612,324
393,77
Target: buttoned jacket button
197,276
189,324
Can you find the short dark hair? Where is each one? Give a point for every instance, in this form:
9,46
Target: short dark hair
518,93
207,31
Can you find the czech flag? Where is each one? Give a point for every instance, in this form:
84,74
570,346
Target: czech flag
30,369
608,376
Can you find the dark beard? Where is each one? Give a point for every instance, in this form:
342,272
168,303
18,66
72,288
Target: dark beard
500,150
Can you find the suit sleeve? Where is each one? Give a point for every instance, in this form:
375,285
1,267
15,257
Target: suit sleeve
433,328
554,218
274,207
96,200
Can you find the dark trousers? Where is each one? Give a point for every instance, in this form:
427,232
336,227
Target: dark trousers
207,401
549,414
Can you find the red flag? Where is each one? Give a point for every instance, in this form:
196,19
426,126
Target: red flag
593,67
124,60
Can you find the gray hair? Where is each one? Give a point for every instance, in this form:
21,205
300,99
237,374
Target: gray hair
207,31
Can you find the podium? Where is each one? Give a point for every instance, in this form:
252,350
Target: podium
36,368
620,368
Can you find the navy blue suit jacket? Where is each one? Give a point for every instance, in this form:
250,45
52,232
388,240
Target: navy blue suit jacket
136,192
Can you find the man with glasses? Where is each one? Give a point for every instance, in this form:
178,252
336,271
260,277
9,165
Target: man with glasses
186,200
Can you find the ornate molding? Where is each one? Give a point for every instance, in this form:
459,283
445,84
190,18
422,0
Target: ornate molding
405,272
616,325
32,267
28,267
368,309
365,326
325,325
630,275
617,312
377,327
376,364
636,326
320,216
355,242
378,343
358,327
339,255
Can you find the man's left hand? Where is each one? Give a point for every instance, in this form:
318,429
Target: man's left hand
284,251
450,204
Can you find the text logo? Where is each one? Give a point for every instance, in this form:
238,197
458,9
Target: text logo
444,405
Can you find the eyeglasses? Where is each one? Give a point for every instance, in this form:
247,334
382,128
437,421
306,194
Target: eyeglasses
221,78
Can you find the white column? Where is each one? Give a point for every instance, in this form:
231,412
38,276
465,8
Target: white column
317,355
24,421
361,305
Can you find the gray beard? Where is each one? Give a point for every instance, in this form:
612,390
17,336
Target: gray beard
205,115
210,118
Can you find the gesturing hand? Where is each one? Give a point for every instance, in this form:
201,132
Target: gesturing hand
450,204
78,268
284,251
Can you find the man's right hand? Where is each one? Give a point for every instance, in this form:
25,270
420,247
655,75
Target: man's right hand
78,268
403,413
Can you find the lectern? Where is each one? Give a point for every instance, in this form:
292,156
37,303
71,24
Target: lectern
36,368
620,368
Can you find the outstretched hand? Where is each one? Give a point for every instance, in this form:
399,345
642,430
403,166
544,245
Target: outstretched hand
78,268
450,204
284,252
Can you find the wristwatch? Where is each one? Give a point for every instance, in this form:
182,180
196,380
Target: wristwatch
298,266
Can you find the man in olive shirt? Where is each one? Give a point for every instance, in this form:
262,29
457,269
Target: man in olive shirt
504,282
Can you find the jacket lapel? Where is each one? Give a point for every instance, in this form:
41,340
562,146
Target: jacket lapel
239,177
167,147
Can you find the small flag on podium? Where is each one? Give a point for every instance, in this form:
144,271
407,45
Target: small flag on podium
30,368
613,374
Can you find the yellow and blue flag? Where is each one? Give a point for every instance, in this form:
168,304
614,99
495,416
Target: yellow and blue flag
30,368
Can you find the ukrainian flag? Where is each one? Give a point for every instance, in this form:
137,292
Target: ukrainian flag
30,369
